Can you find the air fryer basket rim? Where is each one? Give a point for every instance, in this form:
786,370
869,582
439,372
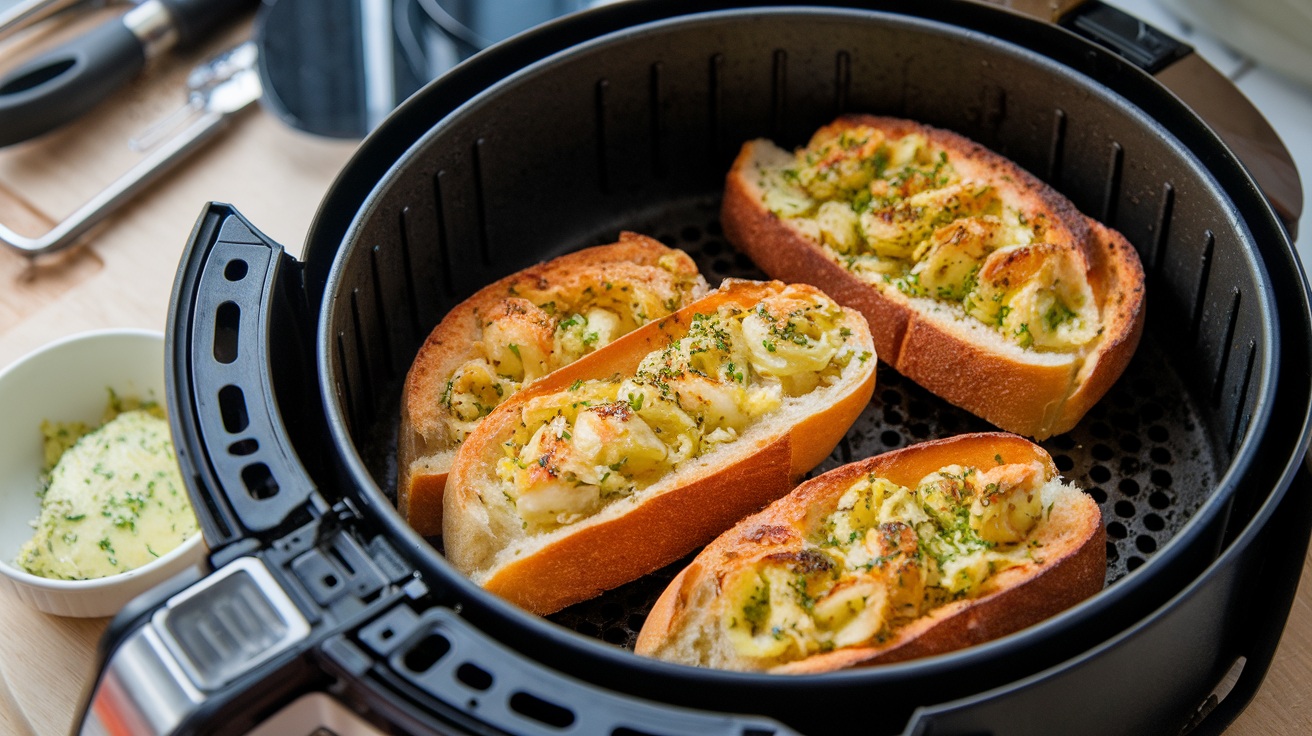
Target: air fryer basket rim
360,473
587,640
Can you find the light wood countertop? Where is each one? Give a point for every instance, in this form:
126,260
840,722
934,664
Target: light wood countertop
123,278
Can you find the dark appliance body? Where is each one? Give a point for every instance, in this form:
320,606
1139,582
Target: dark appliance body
285,380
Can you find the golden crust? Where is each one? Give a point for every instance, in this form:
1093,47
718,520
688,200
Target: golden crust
1033,397
663,522
425,448
1070,561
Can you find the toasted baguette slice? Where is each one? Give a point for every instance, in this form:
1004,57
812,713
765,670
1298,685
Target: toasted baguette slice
810,585
639,453
980,282
514,331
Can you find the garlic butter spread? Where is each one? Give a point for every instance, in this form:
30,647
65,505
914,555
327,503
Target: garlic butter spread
895,211
115,501
540,327
576,451
884,557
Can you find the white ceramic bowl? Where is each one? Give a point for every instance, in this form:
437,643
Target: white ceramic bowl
67,381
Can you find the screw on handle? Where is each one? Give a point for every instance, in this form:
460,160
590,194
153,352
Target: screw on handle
66,82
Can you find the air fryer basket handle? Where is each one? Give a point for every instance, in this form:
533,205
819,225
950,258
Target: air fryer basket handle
307,594
239,322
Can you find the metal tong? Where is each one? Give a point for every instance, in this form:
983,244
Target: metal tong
217,90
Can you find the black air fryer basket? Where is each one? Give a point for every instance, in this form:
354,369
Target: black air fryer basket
285,382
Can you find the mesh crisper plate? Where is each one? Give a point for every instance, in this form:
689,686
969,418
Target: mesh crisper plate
1140,452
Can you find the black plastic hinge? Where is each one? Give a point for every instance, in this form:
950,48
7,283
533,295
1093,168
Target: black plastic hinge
1139,43
335,569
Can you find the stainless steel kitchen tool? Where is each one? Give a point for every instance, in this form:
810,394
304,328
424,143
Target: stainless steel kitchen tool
217,90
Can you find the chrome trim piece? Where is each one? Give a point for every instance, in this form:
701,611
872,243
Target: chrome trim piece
152,23
151,682
294,626
143,691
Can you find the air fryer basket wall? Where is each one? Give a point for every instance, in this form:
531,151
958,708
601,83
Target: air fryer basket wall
566,154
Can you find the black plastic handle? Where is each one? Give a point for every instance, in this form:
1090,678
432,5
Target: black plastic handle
62,84
237,324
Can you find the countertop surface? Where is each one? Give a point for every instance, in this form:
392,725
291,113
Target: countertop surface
123,275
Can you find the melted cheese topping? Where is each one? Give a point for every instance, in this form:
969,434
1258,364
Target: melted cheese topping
578,450
115,502
884,557
539,328
896,212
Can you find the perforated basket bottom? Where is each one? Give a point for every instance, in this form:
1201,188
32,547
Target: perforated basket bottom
1140,452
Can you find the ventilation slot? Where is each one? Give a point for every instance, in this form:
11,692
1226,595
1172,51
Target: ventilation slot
1204,273
235,270
1163,225
241,448
657,122
714,91
407,263
541,711
778,93
259,481
232,408
474,676
362,355
443,249
426,653
380,309
842,81
603,166
1112,194
344,383
480,204
1058,146
1241,422
1218,384
227,332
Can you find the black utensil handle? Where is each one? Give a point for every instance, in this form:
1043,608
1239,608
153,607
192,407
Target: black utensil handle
66,82
237,324
195,19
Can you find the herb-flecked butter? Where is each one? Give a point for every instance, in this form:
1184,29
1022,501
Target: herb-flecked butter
115,502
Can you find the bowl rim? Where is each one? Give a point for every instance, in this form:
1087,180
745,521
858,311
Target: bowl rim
17,574
187,548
